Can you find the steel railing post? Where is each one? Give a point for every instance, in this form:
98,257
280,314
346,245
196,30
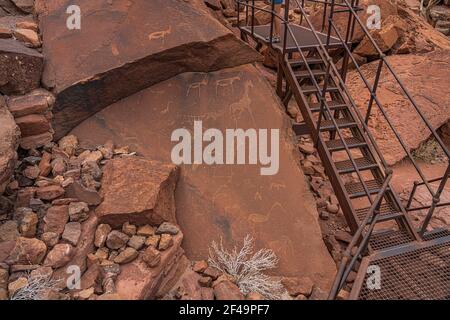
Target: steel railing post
373,92
286,22
301,17
324,17
436,199
330,19
411,196
272,21
246,12
253,17
238,8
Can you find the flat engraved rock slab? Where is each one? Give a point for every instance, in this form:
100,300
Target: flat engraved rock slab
125,46
228,201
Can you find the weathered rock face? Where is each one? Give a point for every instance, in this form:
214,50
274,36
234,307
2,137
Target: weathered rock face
138,191
36,102
341,19
24,5
424,76
402,30
440,17
420,35
20,67
121,44
9,23
27,251
226,201
9,139
7,7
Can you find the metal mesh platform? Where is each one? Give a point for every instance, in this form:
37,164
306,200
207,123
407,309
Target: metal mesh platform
435,234
391,238
412,272
304,37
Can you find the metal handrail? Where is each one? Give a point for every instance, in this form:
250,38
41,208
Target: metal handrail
328,59
402,86
342,83
349,259
372,89
414,189
319,90
436,195
405,90
323,102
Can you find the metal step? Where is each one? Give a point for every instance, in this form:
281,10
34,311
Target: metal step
300,63
302,74
338,145
356,189
386,212
309,89
328,125
363,163
333,105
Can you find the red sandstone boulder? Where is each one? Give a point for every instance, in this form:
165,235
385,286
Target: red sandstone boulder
341,19
56,219
402,30
138,191
36,141
227,290
27,251
50,192
9,139
226,201
24,5
423,76
36,102
132,38
33,124
59,256
20,67
80,252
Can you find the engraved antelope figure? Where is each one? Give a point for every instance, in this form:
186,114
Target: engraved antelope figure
223,83
160,35
197,85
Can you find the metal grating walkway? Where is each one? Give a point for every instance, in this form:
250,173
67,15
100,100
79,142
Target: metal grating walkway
303,36
414,274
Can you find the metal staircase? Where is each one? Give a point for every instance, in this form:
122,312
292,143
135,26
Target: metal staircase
358,172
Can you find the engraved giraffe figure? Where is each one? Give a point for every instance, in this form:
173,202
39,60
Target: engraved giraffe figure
243,105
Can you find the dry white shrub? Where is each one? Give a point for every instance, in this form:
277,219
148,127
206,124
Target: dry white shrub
37,287
247,267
